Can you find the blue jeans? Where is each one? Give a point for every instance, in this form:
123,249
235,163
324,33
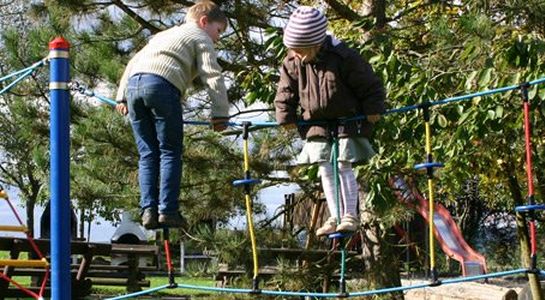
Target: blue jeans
155,113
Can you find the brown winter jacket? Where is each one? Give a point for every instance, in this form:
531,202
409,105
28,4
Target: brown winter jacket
338,83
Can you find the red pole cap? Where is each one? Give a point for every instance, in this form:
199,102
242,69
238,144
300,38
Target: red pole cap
59,43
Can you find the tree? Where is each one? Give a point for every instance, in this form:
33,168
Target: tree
23,123
438,50
423,50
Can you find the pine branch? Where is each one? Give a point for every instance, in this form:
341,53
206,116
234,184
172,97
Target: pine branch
343,10
136,17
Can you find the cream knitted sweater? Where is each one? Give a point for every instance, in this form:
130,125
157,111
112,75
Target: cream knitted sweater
181,54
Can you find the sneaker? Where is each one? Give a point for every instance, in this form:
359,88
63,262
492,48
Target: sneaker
149,218
171,220
330,226
349,223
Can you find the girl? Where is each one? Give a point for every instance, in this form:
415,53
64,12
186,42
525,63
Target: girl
323,80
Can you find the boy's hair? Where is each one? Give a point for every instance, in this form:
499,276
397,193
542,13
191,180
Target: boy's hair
206,8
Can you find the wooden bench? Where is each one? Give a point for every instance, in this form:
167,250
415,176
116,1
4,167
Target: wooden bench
130,275
84,273
268,256
80,284
224,275
300,254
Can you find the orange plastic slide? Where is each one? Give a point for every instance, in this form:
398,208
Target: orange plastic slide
446,231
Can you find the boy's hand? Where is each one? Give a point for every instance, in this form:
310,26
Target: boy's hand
373,118
121,107
219,123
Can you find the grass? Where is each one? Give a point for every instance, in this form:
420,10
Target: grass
159,281
155,281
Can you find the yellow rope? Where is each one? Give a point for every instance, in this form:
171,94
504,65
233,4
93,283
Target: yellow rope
249,213
252,234
431,213
431,200
428,138
246,158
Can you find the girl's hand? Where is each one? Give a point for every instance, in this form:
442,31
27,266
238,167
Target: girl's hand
289,126
219,123
373,118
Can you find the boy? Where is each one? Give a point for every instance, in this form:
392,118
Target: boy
151,88
324,80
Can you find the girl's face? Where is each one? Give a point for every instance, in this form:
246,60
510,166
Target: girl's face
306,54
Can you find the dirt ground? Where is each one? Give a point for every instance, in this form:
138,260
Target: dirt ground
495,289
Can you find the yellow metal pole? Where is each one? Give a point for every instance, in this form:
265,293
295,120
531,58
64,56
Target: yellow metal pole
24,263
13,228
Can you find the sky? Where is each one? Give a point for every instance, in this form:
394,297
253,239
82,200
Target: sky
102,231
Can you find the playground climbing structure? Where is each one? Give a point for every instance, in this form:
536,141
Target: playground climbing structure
60,131
10,263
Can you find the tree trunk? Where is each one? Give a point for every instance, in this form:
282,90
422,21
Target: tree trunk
381,264
379,12
30,204
81,224
522,229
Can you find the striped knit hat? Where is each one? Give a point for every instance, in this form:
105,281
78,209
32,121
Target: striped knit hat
306,28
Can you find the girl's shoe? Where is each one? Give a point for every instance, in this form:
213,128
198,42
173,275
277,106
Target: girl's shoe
349,223
330,226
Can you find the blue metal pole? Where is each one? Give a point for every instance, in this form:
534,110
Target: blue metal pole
60,169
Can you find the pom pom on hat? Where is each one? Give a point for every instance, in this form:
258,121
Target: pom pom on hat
306,28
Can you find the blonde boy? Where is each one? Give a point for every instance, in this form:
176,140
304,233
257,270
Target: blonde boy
150,92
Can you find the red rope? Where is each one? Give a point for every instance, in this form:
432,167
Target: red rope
527,133
28,236
22,288
529,167
533,243
44,282
167,252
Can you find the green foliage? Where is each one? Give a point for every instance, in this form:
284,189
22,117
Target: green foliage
429,50
104,163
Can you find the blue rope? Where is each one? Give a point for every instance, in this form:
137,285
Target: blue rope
323,295
215,289
485,276
25,73
32,67
447,281
453,99
389,290
473,95
105,100
146,292
9,86
300,294
13,74
363,117
537,81
263,292
418,106
206,123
